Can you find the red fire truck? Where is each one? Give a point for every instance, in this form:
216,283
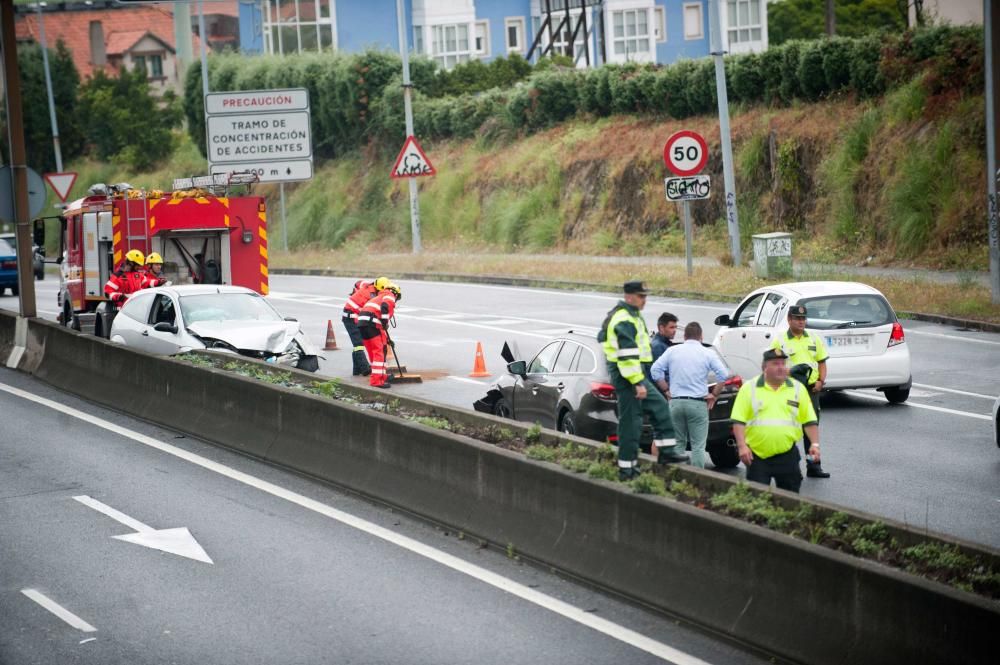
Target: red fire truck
205,232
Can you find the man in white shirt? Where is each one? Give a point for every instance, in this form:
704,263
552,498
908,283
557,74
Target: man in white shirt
682,374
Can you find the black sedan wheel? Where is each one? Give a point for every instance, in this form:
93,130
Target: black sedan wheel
724,455
568,425
502,408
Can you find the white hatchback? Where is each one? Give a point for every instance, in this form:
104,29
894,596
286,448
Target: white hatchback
865,341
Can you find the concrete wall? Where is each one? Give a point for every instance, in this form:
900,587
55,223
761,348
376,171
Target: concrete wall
741,580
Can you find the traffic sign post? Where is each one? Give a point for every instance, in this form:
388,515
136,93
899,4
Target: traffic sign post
266,132
686,154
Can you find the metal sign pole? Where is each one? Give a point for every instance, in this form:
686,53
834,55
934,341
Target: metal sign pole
284,223
48,88
408,110
686,214
732,218
991,22
204,75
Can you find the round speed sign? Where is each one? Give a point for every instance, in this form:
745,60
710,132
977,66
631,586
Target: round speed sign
685,153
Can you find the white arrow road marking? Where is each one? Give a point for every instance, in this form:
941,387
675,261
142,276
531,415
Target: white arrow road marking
177,541
956,392
879,398
59,610
575,614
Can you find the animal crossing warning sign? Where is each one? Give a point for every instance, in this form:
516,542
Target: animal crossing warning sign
412,162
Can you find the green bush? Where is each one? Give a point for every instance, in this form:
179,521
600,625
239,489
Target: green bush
747,78
670,85
700,89
789,89
836,55
595,90
812,78
865,78
770,62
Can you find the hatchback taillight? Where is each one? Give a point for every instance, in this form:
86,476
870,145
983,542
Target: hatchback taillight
8,265
735,382
897,336
604,391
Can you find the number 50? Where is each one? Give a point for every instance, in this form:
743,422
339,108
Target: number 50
690,153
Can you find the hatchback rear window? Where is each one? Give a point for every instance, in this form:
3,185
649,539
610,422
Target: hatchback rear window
847,311
6,249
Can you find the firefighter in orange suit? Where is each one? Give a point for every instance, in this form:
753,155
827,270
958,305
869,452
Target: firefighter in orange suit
127,279
373,322
363,292
152,276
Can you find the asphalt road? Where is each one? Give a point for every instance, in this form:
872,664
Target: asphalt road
930,462
300,573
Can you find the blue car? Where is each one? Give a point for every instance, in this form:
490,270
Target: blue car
8,268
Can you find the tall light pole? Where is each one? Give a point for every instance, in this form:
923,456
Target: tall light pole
408,110
732,217
48,86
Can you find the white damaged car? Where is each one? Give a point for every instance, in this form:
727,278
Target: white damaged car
176,319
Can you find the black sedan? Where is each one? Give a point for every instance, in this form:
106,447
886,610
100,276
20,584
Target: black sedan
566,386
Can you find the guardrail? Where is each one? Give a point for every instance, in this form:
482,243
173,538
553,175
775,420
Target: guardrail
796,600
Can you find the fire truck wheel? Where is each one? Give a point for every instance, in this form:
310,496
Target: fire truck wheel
308,363
67,313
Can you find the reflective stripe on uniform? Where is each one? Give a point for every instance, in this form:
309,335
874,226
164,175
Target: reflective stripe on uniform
627,353
627,464
111,285
350,304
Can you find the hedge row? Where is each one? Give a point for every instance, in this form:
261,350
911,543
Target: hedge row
357,99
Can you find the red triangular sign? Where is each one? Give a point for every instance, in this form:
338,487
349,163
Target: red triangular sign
61,183
412,162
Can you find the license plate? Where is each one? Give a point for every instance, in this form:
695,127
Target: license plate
849,342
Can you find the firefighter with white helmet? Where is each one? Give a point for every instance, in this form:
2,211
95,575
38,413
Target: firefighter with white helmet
127,279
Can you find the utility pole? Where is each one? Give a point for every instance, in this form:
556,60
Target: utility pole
204,75
48,87
19,169
991,23
831,19
732,217
408,110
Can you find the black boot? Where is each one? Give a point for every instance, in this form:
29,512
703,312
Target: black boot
361,366
816,470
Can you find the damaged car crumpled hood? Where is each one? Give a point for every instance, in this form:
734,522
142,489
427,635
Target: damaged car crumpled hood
270,336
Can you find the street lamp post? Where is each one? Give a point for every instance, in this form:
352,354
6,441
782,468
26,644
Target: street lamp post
48,86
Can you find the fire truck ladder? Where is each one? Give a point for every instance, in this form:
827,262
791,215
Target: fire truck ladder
135,233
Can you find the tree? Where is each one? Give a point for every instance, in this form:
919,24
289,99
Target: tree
124,122
806,19
35,106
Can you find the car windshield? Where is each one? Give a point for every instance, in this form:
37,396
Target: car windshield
848,311
6,249
227,307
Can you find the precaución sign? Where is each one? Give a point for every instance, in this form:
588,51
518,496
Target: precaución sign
412,162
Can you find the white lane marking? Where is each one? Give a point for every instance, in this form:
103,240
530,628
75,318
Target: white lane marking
60,611
464,380
554,605
499,322
879,398
957,392
177,541
89,639
116,515
910,331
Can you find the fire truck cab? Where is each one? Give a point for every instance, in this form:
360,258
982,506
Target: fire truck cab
205,234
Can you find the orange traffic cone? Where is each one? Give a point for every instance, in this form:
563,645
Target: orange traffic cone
479,369
331,339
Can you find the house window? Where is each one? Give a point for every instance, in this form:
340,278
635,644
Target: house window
156,67
294,26
694,25
744,21
659,24
139,64
482,38
418,39
450,44
630,32
515,34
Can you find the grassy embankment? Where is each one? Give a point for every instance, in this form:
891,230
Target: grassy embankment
893,183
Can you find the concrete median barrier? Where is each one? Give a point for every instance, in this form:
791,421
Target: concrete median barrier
785,596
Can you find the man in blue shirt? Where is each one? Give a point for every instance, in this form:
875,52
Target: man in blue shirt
682,374
666,328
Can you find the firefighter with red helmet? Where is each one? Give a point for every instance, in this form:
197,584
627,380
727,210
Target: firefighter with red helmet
152,278
373,323
127,279
363,292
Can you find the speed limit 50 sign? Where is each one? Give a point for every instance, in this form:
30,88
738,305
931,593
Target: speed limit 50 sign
685,153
